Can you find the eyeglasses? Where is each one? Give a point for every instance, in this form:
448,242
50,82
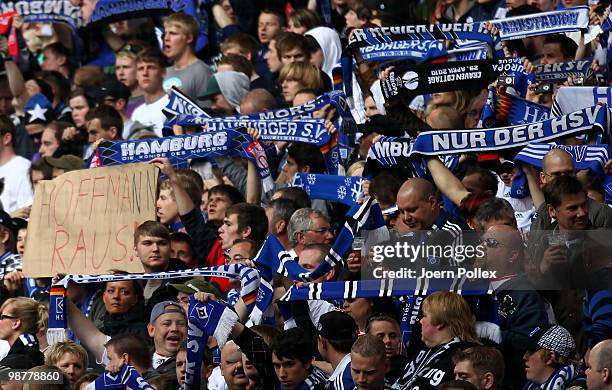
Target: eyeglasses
491,243
5,316
321,231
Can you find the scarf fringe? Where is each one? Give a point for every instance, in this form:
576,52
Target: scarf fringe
224,327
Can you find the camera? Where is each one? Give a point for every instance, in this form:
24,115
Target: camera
544,89
505,81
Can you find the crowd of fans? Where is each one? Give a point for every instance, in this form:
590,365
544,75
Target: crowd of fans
65,90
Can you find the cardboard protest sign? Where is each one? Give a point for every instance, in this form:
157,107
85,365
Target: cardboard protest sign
83,221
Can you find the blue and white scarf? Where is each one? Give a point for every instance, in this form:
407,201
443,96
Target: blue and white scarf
127,377
181,148
45,11
441,142
310,131
512,109
179,103
560,380
592,157
204,320
343,189
544,23
381,288
272,258
363,37
411,291
336,99
249,280
420,51
561,71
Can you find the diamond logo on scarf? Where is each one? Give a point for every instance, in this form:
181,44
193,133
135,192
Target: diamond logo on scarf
202,313
59,306
341,192
411,80
311,179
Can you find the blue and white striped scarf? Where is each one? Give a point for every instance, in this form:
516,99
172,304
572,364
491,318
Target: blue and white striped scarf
421,51
560,380
411,292
592,157
249,279
272,258
441,142
570,99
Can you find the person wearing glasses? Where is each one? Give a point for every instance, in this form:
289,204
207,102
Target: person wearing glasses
520,307
308,226
18,326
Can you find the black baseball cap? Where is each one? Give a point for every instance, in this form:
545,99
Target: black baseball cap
112,88
7,222
337,326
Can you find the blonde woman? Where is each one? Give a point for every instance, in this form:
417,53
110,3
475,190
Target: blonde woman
296,76
18,326
69,357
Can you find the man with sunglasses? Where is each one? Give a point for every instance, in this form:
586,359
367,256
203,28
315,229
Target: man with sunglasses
520,307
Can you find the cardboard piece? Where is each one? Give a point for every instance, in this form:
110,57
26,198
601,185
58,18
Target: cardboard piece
83,222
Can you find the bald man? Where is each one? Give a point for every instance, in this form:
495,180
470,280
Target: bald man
599,366
523,308
426,221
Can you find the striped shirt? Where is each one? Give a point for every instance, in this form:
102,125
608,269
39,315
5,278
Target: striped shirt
341,378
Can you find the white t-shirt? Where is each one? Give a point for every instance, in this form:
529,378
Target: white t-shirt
17,187
150,114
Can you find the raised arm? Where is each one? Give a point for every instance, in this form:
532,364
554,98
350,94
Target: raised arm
446,181
183,201
85,330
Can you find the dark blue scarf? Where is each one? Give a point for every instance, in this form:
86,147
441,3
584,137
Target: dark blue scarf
511,109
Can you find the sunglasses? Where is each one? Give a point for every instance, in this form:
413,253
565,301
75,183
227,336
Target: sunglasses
5,316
